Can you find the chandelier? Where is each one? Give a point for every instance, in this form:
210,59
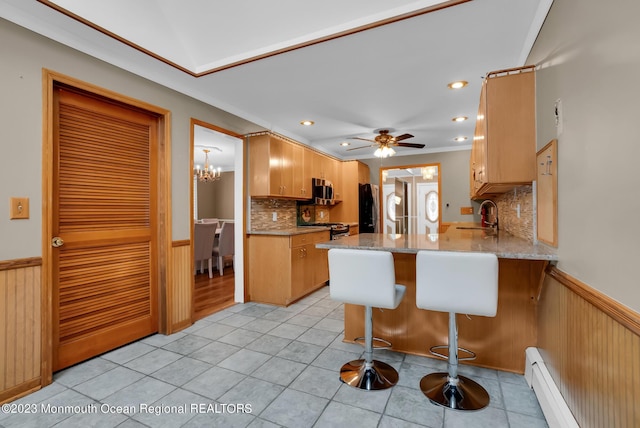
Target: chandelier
208,173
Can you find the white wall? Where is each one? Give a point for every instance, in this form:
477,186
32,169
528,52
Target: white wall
589,57
23,56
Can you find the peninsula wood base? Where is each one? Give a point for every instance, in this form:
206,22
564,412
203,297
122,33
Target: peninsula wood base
499,342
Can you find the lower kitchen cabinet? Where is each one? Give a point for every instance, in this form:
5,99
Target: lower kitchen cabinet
285,268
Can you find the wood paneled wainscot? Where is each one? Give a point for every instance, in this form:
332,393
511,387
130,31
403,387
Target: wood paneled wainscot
21,327
591,345
286,267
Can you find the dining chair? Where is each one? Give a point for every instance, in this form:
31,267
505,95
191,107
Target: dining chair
203,237
225,245
211,220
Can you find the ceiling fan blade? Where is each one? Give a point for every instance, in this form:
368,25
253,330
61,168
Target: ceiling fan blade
403,137
413,145
363,139
362,147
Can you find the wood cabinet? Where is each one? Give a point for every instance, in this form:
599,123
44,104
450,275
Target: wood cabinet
353,174
286,268
504,143
284,169
547,194
322,166
275,168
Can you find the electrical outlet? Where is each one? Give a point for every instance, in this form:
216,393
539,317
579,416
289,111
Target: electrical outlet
19,208
466,210
274,216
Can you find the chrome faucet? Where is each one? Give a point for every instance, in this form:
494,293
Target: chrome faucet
493,224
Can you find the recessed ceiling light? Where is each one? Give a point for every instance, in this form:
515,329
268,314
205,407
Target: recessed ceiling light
460,118
307,122
459,139
345,143
457,84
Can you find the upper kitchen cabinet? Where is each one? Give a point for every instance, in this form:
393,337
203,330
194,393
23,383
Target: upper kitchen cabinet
275,167
504,144
318,165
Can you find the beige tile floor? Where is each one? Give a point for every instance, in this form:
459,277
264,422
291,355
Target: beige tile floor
255,365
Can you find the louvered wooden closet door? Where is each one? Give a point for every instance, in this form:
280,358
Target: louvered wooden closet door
105,285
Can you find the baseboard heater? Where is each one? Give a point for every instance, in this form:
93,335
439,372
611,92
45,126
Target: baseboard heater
553,406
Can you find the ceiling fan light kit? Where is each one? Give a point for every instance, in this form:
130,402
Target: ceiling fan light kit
384,152
385,143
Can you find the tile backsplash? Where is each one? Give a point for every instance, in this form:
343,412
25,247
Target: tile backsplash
521,227
262,214
286,213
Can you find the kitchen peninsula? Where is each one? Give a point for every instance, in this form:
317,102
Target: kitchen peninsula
500,341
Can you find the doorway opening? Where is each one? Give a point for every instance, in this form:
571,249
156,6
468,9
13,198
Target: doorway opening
217,199
410,199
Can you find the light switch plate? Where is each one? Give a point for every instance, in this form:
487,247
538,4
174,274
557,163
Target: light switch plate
19,208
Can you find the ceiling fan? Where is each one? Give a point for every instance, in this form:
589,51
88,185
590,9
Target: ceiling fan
386,142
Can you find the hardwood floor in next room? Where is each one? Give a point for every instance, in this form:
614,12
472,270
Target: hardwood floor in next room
213,294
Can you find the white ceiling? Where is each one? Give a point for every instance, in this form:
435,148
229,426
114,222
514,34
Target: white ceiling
222,148
387,76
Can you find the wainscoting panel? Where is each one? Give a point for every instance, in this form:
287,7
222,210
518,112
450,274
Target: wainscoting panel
591,346
20,327
181,287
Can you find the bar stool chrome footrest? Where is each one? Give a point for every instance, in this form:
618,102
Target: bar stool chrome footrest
372,376
386,343
458,394
472,355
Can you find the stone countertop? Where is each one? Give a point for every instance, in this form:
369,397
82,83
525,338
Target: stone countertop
502,244
290,231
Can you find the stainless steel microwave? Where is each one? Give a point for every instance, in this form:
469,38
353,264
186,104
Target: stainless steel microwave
322,191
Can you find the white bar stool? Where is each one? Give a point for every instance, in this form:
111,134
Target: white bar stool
456,282
367,278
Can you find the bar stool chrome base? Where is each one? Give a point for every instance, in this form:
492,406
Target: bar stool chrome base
372,376
440,389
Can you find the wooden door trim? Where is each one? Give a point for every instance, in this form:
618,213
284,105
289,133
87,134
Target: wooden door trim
208,125
163,215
